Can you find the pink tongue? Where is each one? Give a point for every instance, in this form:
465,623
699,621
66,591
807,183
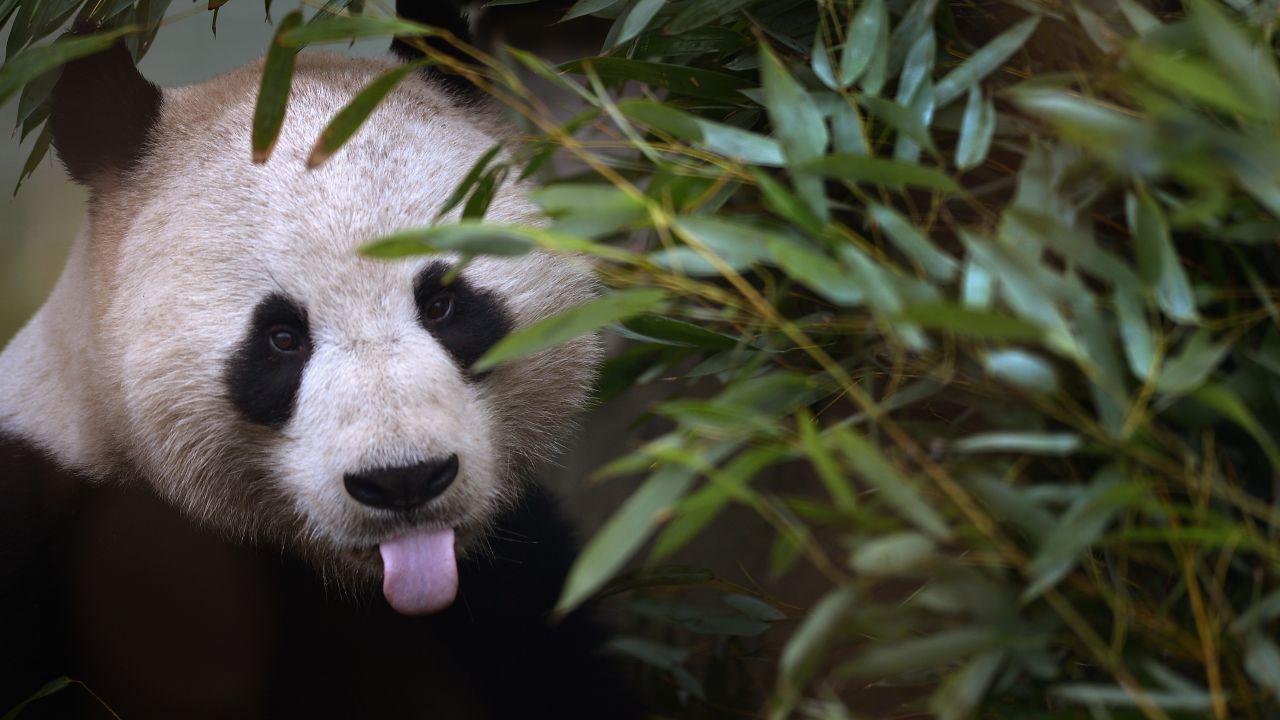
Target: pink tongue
420,572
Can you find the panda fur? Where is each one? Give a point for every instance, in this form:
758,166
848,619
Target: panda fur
223,416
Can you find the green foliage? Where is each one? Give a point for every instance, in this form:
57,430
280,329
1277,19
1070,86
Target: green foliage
273,96
55,685
346,123
993,283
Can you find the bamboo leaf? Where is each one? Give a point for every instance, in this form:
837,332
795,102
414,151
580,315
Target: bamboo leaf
486,188
892,554
590,210
695,15
1135,332
728,485
1227,404
663,657
754,607
1139,17
469,237
1158,263
692,516
879,171
783,202
589,7
806,648
348,120
906,121
913,242
1249,65
1262,661
817,271
882,291
23,28
55,685
1098,30
894,488
977,287
1194,78
1083,523
867,36
1035,443
970,322
1114,135
662,576
917,68
38,152
707,40
679,332
34,62
7,8
820,63
633,522
1026,288
739,245
273,94
985,61
679,79
962,692
917,20
1189,369
937,650
35,95
1096,351
1095,695
1263,611
1023,369
836,482
569,324
977,129
469,181
623,534
346,28
717,137
795,117
634,21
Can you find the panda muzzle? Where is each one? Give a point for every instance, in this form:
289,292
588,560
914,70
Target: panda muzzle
402,488
420,567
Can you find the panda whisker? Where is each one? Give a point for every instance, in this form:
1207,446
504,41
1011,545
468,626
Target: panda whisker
515,537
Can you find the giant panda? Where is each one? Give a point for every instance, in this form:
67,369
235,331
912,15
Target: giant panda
246,472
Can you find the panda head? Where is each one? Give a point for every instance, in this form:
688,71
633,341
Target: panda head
249,364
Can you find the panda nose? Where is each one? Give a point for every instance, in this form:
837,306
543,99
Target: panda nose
402,488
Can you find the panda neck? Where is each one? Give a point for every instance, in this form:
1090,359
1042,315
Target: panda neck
48,373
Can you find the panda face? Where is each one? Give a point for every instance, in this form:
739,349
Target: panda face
261,374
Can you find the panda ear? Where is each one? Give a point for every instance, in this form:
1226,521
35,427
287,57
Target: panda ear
448,15
101,113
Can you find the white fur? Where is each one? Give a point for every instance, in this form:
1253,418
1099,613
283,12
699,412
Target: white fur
122,370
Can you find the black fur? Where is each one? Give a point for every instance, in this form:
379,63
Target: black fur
444,14
102,112
32,508
478,319
262,381
161,619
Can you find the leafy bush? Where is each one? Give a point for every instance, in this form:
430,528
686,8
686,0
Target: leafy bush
999,278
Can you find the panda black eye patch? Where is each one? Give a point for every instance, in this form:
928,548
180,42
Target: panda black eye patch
465,320
264,375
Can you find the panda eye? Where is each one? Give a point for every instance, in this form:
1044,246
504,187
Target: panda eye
440,308
285,340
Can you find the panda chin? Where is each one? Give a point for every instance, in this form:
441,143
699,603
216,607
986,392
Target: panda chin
420,571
